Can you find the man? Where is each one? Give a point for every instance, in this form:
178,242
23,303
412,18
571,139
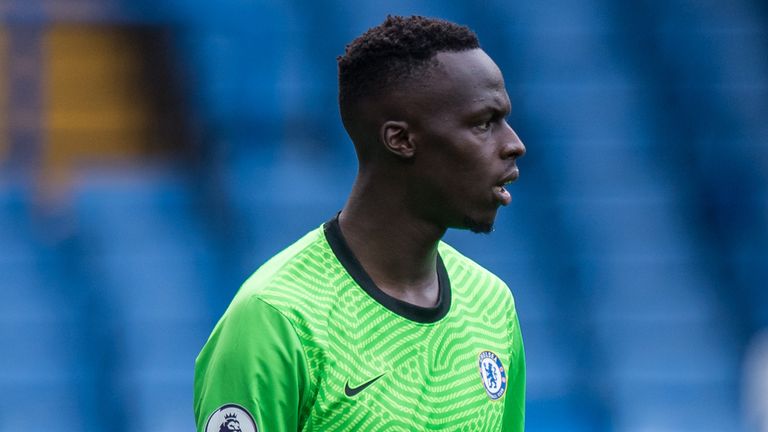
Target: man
370,322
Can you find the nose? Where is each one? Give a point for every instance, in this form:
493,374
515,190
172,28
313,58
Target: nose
512,147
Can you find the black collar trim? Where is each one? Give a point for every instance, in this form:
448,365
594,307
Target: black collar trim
406,310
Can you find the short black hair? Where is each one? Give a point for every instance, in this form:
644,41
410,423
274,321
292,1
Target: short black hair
393,52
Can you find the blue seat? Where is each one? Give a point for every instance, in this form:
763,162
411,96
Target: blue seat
38,366
145,243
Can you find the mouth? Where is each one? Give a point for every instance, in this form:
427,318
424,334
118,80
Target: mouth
500,191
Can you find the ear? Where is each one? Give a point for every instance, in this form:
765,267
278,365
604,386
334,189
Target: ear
397,138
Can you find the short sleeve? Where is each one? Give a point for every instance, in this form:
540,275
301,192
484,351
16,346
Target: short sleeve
253,369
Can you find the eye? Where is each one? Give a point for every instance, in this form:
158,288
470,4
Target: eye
485,126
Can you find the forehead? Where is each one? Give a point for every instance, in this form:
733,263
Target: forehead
469,68
464,81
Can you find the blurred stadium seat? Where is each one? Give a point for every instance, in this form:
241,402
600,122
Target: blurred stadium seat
636,244
38,361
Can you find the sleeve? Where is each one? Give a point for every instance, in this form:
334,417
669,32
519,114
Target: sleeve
514,404
253,370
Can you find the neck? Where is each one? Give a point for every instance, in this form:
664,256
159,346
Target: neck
395,247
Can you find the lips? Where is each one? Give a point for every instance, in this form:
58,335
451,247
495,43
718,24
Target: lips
500,191
510,177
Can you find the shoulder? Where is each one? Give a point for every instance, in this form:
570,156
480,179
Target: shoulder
294,265
294,282
465,272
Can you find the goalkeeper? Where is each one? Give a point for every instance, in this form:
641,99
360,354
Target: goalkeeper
370,322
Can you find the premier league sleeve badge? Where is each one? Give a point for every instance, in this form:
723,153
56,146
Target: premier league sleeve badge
231,418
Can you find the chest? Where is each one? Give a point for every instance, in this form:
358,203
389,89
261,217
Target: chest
384,374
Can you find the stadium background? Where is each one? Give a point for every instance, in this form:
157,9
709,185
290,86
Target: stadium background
154,153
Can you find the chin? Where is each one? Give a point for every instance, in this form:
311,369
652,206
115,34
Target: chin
478,227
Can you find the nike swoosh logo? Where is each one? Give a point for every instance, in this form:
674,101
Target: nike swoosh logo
351,391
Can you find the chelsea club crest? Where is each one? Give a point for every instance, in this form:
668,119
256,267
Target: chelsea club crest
492,374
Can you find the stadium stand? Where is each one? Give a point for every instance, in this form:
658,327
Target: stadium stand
636,243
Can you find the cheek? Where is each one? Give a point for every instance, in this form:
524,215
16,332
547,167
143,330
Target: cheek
454,167
461,158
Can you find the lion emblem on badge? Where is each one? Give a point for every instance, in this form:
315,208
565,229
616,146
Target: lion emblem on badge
230,424
492,374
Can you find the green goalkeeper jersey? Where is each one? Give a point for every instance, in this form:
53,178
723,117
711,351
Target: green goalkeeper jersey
310,343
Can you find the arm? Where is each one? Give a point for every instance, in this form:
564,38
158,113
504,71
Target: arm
254,362
514,404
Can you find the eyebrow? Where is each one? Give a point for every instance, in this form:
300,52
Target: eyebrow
503,109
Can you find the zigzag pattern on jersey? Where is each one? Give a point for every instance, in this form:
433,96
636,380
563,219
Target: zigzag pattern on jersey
431,374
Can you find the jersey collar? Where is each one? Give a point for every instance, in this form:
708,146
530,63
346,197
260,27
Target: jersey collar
407,310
